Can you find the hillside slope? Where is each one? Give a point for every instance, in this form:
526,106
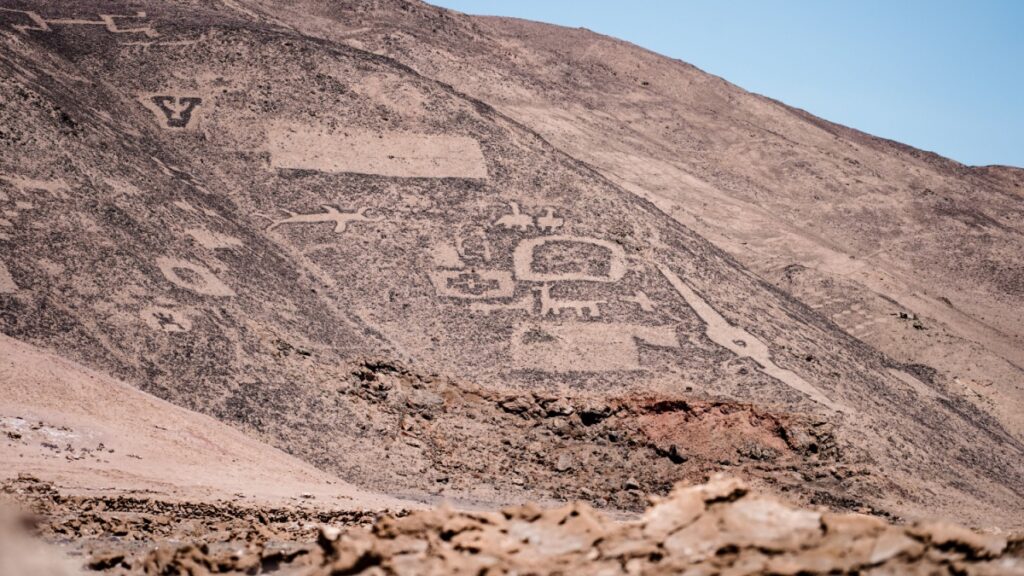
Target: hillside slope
397,283
915,254
90,434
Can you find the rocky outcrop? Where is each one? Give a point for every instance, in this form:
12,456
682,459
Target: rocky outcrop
716,528
720,527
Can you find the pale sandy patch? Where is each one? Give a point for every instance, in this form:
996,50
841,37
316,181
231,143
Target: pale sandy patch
389,154
149,445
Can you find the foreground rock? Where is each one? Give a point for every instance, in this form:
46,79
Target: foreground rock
715,528
721,527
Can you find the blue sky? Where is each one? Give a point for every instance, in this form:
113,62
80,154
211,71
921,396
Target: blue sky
941,75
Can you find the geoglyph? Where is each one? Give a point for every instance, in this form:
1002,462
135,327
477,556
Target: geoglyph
330,214
585,346
194,277
166,319
107,21
174,112
563,334
742,343
389,154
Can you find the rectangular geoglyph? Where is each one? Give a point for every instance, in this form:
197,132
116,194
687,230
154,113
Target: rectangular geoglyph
385,154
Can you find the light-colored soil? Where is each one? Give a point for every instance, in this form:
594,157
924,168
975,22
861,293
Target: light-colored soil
387,154
89,433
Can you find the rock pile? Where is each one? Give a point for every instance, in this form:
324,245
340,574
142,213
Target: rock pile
720,527
607,449
715,528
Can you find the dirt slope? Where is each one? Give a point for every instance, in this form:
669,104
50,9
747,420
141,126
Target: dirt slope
399,284
88,433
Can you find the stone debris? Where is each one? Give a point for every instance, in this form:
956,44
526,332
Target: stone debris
720,527
716,528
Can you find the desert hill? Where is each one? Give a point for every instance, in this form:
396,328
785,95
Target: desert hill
914,254
308,222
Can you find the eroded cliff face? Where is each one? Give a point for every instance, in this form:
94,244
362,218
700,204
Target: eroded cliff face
343,256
